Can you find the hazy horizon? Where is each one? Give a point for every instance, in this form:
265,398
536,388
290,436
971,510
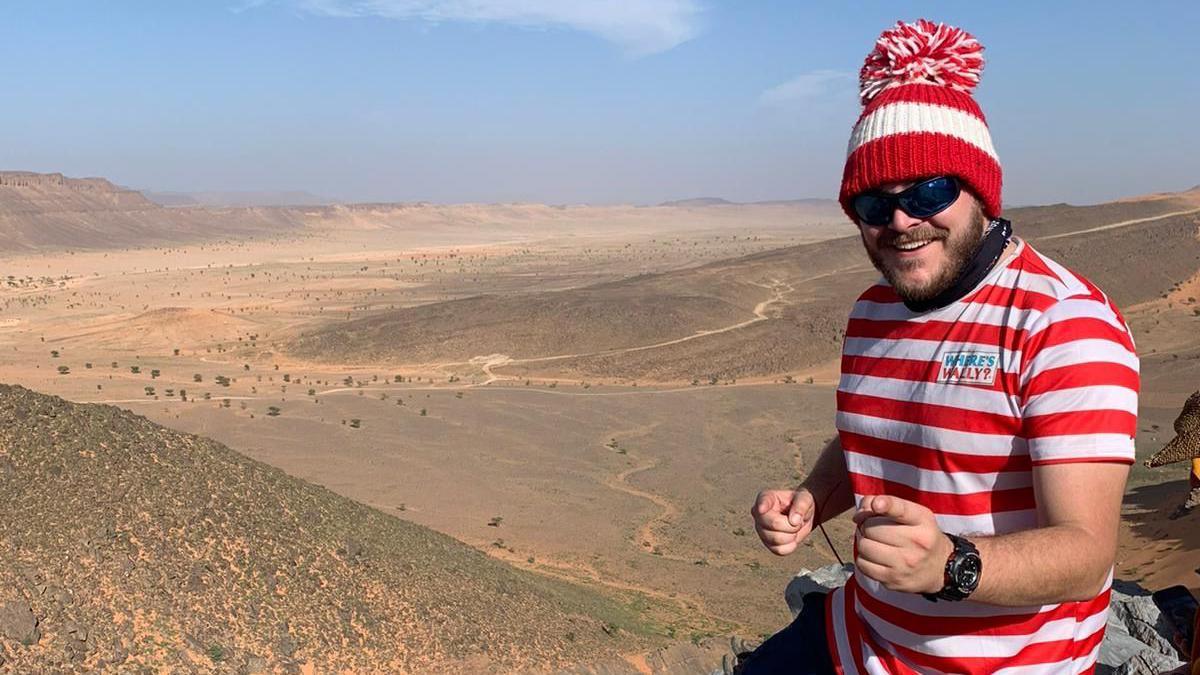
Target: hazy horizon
569,102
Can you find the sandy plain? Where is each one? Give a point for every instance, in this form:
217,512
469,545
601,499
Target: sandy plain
639,485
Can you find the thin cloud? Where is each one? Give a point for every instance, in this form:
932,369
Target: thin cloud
639,28
817,84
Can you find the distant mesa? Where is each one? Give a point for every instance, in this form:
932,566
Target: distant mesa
719,201
238,198
20,191
49,210
126,546
698,201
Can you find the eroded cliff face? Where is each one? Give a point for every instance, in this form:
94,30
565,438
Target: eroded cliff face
49,210
28,192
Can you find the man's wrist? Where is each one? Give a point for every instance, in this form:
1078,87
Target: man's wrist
961,571
944,550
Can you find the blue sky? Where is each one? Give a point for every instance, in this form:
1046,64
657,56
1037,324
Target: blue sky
571,101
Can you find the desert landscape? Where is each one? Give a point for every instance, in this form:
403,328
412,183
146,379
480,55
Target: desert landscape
562,411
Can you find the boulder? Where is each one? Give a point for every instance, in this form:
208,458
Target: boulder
1137,640
17,622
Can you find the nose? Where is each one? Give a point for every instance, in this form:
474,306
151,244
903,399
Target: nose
902,222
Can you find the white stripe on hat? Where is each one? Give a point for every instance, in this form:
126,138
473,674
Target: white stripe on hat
906,117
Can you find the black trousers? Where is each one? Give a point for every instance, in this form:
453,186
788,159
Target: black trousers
799,649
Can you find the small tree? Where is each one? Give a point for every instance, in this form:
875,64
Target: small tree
273,411
64,370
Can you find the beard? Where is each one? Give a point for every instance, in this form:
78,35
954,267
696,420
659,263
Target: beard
959,249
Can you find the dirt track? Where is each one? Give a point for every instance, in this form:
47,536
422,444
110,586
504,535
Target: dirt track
1114,226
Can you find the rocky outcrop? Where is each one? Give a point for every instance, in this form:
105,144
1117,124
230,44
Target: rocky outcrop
1136,642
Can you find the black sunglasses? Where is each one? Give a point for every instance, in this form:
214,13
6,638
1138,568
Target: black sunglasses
923,200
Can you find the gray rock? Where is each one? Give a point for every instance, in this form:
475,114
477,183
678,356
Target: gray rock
255,665
822,579
1136,640
1119,647
1149,662
1132,606
17,622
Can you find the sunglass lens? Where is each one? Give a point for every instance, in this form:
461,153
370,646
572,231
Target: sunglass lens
873,209
931,197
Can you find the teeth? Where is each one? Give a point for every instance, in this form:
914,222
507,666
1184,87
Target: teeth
912,245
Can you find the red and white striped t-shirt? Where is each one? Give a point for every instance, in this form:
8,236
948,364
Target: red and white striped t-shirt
952,409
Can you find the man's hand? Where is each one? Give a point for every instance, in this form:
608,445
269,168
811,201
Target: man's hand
900,545
783,518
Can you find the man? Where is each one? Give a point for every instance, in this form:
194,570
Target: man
985,413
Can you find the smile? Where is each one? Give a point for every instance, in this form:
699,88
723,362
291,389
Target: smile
912,245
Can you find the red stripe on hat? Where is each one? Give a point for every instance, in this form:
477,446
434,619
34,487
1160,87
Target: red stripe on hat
907,157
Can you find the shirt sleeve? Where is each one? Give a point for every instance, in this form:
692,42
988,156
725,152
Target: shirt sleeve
1079,385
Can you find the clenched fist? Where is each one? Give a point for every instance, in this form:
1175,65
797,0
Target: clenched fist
900,545
783,518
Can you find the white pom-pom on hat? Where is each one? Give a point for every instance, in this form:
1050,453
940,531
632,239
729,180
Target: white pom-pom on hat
921,52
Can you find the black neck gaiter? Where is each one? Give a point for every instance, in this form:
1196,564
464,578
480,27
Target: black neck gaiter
990,249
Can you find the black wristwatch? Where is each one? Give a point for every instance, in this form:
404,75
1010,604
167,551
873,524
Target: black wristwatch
963,569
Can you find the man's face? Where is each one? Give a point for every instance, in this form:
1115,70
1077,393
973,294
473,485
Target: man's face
944,243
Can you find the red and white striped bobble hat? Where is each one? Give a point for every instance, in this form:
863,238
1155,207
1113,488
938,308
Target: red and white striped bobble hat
919,118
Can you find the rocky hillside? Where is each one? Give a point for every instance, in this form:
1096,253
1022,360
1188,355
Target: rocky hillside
125,545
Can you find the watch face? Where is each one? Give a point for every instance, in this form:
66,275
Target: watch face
967,574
